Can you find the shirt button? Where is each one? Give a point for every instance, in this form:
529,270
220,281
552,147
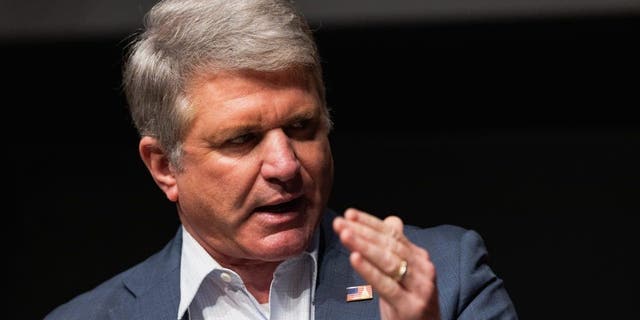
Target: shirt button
225,277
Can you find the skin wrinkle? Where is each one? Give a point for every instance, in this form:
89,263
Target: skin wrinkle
228,97
222,183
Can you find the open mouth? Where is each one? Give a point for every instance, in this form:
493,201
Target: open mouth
293,205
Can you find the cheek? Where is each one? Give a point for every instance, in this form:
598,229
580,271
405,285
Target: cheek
219,186
318,161
327,171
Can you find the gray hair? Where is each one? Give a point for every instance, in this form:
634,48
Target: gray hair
185,37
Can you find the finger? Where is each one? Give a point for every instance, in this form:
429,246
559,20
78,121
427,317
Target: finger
370,242
380,242
372,221
397,296
395,224
386,287
387,232
391,225
420,275
385,251
371,245
394,242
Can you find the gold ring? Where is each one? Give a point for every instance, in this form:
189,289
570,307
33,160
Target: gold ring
401,271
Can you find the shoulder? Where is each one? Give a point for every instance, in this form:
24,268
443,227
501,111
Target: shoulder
121,289
95,303
449,246
441,232
468,288
442,237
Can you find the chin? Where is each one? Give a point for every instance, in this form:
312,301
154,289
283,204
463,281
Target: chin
282,245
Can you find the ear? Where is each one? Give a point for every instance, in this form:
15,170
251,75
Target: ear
157,161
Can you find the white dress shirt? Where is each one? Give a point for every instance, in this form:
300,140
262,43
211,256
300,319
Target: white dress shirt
210,291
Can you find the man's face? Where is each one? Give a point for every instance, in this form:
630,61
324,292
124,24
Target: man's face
257,168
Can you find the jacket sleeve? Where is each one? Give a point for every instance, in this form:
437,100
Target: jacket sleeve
482,293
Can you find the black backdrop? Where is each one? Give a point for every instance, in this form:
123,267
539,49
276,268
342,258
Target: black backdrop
523,130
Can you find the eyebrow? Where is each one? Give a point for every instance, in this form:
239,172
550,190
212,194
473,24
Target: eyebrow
228,132
308,114
304,115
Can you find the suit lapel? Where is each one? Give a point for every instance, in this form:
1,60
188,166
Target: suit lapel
334,276
155,286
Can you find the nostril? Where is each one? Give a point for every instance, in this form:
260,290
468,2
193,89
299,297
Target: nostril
282,168
292,185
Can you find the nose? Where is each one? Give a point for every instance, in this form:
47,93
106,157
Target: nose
280,161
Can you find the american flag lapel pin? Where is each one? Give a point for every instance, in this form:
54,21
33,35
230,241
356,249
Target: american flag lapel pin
358,293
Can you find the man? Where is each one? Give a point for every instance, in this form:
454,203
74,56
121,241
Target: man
229,101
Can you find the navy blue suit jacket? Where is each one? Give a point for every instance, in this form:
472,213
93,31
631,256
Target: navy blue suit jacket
468,288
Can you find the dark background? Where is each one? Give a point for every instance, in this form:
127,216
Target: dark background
522,129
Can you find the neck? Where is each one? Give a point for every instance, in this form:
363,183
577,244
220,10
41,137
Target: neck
256,277
255,274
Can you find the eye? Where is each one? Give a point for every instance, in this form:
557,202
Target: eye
304,129
300,124
242,139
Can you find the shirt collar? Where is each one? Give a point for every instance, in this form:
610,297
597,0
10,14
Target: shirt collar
196,264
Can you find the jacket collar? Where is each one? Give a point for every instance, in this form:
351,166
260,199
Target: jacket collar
335,274
155,286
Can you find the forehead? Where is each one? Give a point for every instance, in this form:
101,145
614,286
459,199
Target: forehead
252,96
